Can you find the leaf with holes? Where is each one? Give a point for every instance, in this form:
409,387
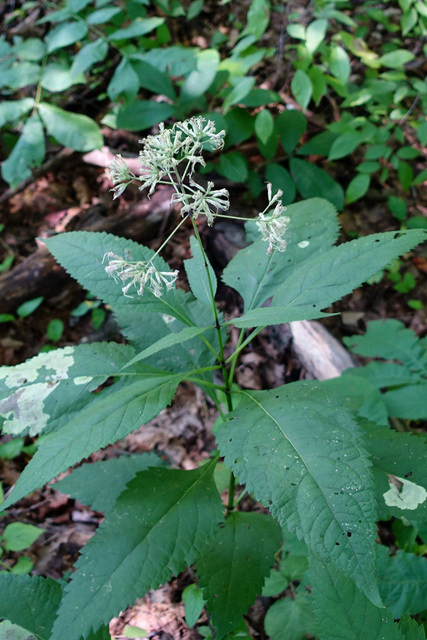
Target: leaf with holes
316,482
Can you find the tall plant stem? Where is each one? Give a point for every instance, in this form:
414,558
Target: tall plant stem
224,370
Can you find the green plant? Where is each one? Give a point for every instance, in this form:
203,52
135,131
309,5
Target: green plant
37,74
398,368
295,448
373,105
18,536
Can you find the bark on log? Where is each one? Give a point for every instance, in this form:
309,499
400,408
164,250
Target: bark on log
39,273
320,353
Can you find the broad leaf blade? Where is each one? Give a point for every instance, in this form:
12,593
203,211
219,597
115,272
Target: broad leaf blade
30,602
393,341
169,341
359,396
411,630
160,524
403,582
113,414
82,253
322,280
342,611
290,619
303,457
87,483
234,566
256,275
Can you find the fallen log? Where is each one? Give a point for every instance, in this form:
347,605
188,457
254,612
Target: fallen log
40,275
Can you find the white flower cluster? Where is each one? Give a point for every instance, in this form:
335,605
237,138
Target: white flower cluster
183,144
273,226
202,200
138,274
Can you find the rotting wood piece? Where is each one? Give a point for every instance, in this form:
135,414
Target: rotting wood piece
322,355
39,273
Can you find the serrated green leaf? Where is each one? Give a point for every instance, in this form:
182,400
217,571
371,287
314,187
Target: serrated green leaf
302,88
312,182
13,110
65,34
138,27
71,129
359,396
408,402
411,630
82,255
290,619
30,602
168,341
142,114
387,374
198,279
87,483
233,568
403,582
290,125
89,55
390,340
343,611
256,275
124,82
302,456
27,153
325,278
170,517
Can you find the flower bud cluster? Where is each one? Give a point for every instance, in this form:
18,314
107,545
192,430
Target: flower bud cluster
139,274
183,144
273,226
